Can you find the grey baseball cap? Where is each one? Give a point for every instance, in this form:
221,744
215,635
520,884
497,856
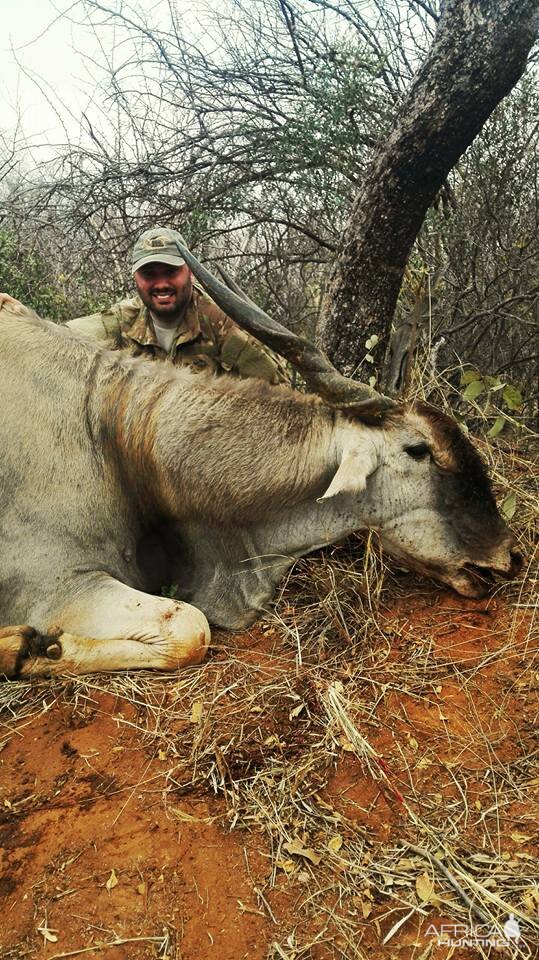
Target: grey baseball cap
157,245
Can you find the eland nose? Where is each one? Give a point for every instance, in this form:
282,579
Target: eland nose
517,562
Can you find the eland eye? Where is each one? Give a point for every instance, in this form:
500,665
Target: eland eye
419,451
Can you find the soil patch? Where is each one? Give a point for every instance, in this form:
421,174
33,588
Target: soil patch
261,806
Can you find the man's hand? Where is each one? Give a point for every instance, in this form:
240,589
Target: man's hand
10,302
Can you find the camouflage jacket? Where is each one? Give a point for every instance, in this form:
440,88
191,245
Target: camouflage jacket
206,339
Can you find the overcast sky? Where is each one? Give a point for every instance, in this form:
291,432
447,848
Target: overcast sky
39,63
49,53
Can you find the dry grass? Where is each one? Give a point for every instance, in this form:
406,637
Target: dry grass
344,676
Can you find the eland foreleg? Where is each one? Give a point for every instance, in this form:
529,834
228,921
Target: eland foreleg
107,626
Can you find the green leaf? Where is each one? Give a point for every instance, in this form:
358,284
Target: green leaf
474,390
509,506
469,376
497,427
494,384
512,397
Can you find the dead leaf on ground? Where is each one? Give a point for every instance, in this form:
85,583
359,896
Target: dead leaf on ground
335,843
424,887
287,865
520,837
297,848
366,909
196,711
49,936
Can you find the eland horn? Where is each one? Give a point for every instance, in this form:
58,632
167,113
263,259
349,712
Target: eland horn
320,375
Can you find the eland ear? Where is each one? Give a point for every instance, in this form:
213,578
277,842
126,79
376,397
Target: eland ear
353,471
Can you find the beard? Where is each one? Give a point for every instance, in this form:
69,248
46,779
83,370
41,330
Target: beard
166,303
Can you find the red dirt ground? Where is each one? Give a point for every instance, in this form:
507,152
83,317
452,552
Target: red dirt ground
90,853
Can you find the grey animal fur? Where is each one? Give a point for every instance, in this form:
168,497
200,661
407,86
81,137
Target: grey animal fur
118,475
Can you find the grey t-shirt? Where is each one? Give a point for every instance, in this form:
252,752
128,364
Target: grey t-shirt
165,335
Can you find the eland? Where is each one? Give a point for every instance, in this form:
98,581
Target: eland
119,475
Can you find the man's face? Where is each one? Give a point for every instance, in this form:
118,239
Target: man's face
165,290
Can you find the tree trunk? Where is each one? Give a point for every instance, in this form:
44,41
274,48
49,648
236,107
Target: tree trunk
478,54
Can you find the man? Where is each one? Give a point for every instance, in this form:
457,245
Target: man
171,319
